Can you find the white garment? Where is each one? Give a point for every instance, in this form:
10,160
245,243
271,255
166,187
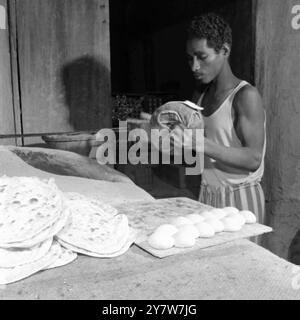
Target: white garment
219,127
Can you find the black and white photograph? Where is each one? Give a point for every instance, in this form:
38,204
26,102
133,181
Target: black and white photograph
149,151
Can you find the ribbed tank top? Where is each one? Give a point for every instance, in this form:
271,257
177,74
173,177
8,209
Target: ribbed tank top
219,128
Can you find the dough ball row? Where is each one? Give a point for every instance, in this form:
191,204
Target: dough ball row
182,232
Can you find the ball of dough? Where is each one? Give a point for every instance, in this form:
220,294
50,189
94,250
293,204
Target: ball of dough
207,214
216,224
240,218
231,224
249,216
189,228
195,217
160,241
219,213
179,221
167,229
230,210
184,239
205,230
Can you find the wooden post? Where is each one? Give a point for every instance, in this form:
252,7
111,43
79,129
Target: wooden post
8,117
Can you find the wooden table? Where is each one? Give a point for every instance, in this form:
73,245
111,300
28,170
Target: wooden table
236,270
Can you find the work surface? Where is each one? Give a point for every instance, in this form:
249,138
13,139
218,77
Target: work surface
236,270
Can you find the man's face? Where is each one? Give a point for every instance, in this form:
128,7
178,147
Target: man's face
204,61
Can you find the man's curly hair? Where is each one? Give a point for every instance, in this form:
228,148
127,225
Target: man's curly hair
211,27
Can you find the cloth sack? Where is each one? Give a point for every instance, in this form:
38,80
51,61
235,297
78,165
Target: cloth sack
171,114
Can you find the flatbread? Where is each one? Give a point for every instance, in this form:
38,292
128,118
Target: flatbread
94,226
47,233
130,240
10,275
67,256
91,203
27,206
102,236
10,258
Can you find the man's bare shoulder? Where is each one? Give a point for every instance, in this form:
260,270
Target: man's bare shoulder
248,101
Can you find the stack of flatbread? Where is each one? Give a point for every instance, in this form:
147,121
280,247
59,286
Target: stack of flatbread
32,212
42,228
95,228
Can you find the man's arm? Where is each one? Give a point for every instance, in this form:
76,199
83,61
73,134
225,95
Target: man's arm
250,130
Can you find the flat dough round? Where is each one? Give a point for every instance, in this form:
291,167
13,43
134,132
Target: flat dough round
249,216
207,214
179,221
166,229
195,217
218,213
240,218
184,239
216,224
189,228
230,210
231,224
205,230
160,241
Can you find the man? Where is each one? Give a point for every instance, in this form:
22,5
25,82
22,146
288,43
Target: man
234,120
